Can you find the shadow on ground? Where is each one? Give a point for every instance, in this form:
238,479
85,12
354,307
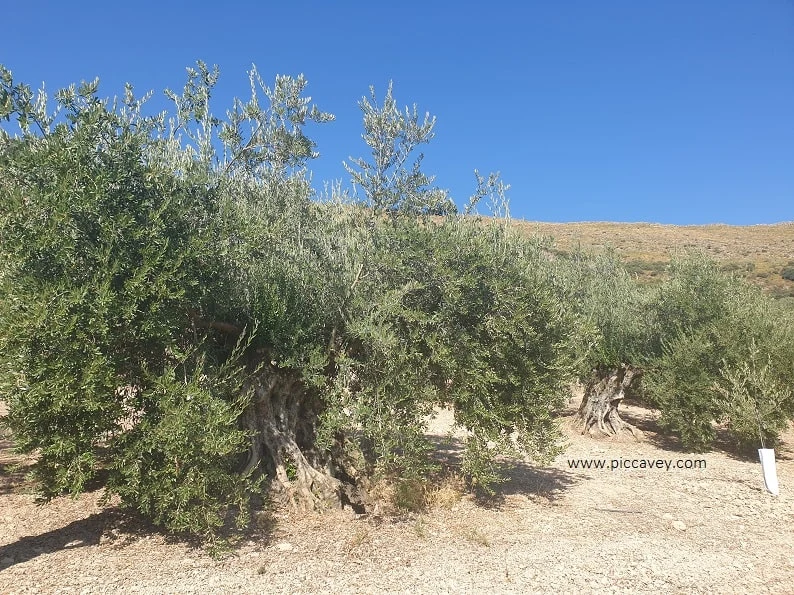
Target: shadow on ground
121,528
12,478
652,431
14,467
724,443
521,478
80,533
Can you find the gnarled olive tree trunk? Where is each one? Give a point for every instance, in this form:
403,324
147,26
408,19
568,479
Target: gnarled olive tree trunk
603,393
282,417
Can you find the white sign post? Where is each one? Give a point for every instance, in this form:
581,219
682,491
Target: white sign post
767,456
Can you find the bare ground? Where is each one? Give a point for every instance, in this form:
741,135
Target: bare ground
552,529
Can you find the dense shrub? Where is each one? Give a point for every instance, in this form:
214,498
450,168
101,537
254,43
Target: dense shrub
463,313
721,354
705,348
105,256
613,308
175,320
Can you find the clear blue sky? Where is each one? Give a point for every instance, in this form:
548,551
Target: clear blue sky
670,111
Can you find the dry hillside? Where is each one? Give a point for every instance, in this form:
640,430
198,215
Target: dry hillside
760,252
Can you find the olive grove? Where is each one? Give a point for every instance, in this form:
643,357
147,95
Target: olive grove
185,324
704,347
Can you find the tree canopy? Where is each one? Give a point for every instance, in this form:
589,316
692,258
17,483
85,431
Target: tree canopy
184,323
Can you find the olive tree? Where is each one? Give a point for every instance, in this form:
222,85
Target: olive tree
388,183
181,323
459,313
614,315
704,348
721,353
124,291
102,264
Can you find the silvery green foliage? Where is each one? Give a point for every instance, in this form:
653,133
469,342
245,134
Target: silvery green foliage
719,353
752,395
612,306
451,311
257,139
389,183
102,284
710,348
18,100
496,191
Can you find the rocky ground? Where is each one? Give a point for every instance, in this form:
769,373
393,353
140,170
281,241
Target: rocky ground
553,529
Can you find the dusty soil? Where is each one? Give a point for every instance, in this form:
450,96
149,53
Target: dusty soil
553,529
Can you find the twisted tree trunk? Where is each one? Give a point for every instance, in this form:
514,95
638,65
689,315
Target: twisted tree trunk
598,412
282,418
